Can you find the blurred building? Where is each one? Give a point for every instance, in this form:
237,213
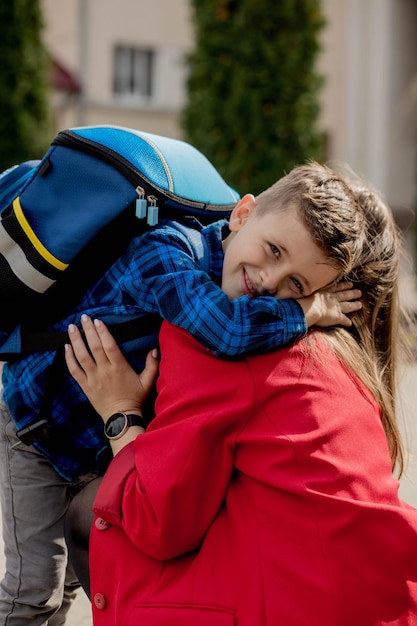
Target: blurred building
123,63
125,56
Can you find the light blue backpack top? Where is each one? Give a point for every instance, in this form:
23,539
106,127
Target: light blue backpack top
94,184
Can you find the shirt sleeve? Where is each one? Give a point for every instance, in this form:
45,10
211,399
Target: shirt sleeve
166,280
166,488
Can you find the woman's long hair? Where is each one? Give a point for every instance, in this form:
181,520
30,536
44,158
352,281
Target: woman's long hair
355,228
371,345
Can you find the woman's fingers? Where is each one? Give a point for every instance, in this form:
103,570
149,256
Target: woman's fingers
102,371
84,355
73,366
108,345
93,339
148,375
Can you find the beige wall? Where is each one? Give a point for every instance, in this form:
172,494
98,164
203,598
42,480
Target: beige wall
369,104
82,34
369,61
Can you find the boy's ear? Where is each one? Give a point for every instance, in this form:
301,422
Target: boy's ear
241,212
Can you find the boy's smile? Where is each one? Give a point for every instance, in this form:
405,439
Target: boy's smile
248,288
272,254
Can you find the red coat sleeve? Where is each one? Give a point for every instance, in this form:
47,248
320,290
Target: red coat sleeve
161,489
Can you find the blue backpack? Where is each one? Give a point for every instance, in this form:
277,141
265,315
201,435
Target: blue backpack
66,218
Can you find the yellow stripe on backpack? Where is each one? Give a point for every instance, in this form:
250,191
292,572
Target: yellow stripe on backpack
38,245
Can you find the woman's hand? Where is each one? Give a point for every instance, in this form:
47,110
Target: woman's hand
106,378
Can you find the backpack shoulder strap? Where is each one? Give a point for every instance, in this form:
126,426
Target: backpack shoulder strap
191,229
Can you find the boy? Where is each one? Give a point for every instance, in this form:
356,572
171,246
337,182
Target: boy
278,258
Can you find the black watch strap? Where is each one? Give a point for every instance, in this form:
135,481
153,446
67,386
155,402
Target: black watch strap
118,424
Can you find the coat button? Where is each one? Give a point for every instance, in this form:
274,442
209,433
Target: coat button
101,523
100,601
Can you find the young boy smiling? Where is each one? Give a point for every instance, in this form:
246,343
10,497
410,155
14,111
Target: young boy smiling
273,254
257,286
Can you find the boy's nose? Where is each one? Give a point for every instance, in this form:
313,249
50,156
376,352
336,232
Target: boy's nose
270,281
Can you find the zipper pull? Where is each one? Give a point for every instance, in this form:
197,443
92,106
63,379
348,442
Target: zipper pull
141,204
153,211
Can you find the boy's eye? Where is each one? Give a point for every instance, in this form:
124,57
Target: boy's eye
275,251
298,285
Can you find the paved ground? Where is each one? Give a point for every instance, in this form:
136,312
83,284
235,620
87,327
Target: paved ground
408,413
80,612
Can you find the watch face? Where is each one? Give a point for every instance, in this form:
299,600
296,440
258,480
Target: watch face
115,425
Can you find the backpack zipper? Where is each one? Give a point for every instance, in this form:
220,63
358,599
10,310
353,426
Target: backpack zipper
68,138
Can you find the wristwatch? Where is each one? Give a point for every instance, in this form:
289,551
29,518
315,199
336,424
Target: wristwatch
119,423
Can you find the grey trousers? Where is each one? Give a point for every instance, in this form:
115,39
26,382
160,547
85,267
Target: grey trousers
38,585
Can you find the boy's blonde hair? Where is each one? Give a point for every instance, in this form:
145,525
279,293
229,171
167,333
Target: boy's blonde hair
355,228
328,207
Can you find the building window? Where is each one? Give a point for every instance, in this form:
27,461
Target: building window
133,69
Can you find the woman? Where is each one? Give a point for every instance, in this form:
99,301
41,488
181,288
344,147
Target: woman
262,492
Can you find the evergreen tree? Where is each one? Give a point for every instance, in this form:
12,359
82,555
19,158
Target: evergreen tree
252,88
24,130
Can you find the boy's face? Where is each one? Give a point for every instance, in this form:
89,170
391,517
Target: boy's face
273,254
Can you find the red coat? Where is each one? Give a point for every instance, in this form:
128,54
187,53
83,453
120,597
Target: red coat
261,495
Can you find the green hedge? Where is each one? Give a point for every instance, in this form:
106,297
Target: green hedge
253,87
24,127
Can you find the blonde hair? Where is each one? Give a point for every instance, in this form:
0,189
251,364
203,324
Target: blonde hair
355,228
371,346
328,207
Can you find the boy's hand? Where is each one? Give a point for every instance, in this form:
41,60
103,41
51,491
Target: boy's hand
329,307
106,378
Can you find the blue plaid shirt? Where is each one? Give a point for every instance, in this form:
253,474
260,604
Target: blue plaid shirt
160,273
